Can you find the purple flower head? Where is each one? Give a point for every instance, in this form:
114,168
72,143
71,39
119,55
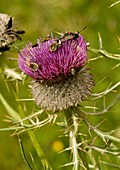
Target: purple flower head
57,67
40,63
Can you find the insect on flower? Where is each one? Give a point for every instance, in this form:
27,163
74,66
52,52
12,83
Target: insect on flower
54,46
69,36
64,37
32,65
8,34
46,39
34,45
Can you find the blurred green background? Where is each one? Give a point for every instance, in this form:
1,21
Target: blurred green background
39,18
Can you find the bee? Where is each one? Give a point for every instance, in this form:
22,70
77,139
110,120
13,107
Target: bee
32,65
8,34
54,46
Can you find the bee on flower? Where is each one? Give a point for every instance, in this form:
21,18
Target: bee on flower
60,78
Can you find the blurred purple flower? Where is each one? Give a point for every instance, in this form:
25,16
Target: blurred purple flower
60,79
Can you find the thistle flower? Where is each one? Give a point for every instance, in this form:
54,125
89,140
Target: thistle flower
60,79
8,34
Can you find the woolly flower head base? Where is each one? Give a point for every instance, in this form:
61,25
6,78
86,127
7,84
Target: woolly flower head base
60,79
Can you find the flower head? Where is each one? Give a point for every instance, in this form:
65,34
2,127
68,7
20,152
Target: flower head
8,34
60,81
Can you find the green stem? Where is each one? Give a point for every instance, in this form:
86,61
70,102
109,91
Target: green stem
15,116
105,53
36,144
103,135
39,151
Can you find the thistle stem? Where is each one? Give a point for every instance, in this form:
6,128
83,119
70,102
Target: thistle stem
104,53
16,116
74,149
39,151
78,157
103,135
46,165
